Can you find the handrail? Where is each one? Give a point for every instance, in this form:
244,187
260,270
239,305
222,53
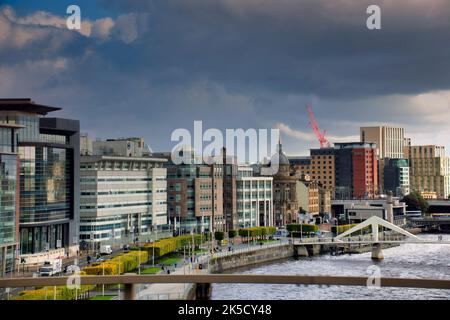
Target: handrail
230,278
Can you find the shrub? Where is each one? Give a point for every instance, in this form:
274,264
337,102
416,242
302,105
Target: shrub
232,234
302,228
168,245
219,235
257,232
342,228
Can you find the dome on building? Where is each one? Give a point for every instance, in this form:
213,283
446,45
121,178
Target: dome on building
280,157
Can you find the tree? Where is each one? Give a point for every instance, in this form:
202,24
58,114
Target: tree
232,234
415,201
219,235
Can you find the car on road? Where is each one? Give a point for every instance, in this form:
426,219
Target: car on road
71,269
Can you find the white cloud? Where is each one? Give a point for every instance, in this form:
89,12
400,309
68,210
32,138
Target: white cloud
18,32
309,136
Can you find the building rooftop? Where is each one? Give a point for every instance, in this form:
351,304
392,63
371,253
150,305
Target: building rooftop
25,105
95,158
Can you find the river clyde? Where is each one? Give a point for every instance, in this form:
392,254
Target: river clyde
404,261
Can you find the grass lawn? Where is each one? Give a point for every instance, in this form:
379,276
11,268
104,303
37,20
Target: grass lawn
169,260
102,298
151,270
200,251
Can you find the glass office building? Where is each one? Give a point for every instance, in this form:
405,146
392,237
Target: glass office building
48,150
9,193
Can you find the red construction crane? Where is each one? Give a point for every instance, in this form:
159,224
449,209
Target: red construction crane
324,143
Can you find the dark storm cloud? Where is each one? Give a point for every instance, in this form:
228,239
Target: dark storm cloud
236,63
306,47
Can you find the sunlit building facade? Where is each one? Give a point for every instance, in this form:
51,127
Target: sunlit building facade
48,150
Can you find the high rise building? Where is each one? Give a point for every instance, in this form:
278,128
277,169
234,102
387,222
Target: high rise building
122,198
230,172
254,199
356,168
429,170
396,176
390,141
9,197
49,153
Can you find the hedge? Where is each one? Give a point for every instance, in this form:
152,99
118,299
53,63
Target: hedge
62,292
342,228
345,227
257,232
306,228
168,245
119,264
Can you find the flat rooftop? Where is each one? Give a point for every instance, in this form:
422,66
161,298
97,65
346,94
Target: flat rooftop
25,105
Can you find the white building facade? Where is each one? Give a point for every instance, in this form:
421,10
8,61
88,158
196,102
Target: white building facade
254,199
122,198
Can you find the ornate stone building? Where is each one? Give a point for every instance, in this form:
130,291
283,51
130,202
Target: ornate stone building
285,191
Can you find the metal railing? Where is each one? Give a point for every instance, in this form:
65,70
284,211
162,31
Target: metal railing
250,248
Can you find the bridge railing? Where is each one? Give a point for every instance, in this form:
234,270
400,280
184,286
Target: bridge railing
250,248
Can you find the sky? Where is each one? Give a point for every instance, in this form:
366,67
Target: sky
146,68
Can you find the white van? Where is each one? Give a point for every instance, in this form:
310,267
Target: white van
51,268
105,249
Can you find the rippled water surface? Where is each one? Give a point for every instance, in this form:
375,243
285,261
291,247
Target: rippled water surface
405,261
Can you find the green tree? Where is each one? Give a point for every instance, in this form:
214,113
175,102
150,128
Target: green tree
219,235
415,201
232,234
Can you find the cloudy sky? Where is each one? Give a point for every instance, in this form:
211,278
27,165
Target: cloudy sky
145,68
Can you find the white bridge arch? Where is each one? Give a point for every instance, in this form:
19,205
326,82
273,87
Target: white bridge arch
376,222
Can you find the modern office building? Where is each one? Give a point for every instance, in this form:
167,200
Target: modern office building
48,151
396,176
429,170
390,141
254,199
9,197
356,168
230,172
122,198
356,211
195,197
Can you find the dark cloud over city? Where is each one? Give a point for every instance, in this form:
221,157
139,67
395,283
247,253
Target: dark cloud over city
153,66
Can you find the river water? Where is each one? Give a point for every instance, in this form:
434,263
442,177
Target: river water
405,261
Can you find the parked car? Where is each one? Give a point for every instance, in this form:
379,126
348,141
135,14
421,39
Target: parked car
71,269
